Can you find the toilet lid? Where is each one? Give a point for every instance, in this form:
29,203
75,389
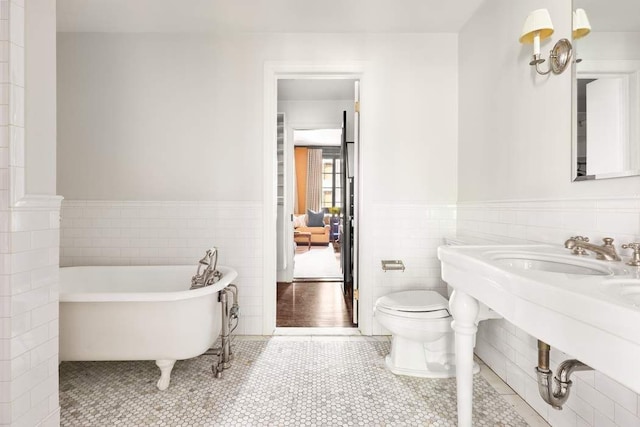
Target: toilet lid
414,301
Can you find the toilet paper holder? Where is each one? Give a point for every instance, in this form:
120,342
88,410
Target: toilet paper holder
392,264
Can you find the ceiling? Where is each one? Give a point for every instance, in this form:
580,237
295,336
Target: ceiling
303,16
265,16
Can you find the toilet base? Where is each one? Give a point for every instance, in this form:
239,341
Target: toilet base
431,359
435,370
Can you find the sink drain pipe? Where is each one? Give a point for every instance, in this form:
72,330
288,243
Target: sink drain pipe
555,392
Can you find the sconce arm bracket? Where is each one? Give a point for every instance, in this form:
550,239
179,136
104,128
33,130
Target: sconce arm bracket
559,58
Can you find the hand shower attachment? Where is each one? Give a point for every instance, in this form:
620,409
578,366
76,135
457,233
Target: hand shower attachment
209,273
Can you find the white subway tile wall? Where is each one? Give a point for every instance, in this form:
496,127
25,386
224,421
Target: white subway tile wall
29,253
411,233
29,315
143,233
596,400
170,233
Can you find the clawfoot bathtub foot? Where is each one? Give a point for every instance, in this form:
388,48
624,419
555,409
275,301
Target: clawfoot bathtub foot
165,373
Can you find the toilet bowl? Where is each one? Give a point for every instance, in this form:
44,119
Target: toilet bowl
422,339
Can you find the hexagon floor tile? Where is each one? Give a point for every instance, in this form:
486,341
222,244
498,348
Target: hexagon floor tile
272,382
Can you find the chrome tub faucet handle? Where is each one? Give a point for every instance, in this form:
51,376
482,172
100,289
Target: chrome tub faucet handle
209,274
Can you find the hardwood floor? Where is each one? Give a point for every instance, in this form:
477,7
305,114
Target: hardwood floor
312,304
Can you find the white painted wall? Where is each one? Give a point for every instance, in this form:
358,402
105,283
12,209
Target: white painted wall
515,181
172,117
40,97
179,118
317,115
609,45
515,126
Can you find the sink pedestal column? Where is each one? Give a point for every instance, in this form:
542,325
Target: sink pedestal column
464,310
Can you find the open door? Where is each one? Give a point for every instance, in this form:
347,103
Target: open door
607,136
347,227
351,173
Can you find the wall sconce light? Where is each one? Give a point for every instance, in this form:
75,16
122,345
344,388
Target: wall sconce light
538,27
581,26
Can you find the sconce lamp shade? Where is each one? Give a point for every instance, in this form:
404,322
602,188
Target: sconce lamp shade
538,27
538,23
581,25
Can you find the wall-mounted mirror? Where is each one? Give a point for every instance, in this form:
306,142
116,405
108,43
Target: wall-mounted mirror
606,104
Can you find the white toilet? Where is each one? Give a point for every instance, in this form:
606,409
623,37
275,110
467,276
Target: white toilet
422,339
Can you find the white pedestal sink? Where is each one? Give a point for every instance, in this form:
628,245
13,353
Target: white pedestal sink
587,308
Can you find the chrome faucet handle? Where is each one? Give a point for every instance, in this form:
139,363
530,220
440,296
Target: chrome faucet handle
579,250
635,258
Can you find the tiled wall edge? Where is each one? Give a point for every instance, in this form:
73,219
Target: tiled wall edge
592,199
38,202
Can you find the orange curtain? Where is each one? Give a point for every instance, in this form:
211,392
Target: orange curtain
301,156
314,179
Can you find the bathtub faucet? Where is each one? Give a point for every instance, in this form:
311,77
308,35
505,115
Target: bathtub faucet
209,273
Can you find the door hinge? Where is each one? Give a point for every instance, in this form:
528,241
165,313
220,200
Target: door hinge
356,294
356,107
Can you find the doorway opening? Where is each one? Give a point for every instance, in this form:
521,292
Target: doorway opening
317,228
317,134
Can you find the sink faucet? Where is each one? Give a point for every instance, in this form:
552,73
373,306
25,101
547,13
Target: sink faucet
606,251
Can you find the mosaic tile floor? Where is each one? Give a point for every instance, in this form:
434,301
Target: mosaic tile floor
279,381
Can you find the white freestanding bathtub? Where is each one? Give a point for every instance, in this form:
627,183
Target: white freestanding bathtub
138,313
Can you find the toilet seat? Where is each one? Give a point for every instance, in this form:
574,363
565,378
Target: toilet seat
414,304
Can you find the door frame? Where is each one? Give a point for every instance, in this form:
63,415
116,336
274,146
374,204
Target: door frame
273,71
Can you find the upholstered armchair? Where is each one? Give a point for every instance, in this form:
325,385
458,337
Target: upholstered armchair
317,224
